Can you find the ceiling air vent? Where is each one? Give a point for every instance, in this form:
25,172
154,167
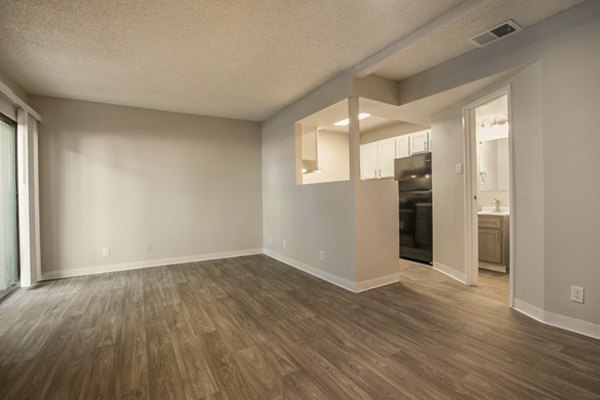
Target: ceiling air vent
495,33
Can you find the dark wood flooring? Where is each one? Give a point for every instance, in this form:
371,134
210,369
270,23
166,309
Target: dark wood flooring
253,328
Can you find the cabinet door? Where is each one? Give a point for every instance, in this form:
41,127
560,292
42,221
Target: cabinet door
419,142
368,161
402,146
386,152
490,245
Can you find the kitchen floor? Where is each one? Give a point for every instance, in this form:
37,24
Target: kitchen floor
493,285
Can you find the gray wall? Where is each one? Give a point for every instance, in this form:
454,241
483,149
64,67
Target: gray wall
528,211
343,219
555,142
310,218
571,120
150,185
448,191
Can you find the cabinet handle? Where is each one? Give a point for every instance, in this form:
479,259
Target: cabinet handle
379,174
375,172
497,237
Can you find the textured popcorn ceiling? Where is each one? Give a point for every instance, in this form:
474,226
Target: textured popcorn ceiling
239,59
231,58
452,40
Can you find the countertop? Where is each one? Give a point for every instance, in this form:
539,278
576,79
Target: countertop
504,211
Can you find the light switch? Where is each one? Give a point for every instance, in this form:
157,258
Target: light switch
459,168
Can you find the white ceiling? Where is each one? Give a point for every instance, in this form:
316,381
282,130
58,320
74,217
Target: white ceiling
327,117
237,59
234,58
452,40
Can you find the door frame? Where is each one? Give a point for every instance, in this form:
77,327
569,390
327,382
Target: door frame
470,178
9,121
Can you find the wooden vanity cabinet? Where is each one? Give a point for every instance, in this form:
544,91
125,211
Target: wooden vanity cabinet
494,242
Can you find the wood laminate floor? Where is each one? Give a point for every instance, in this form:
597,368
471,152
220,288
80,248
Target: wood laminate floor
253,328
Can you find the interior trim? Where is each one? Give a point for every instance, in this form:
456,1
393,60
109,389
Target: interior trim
100,269
10,95
557,320
377,282
451,272
319,273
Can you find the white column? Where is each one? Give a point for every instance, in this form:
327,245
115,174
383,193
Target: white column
354,136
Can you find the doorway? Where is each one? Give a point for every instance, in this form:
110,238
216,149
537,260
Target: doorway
489,208
9,231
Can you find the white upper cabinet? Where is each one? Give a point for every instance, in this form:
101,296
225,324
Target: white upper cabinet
368,161
402,146
419,142
386,152
377,158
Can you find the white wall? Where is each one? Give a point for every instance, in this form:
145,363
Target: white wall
333,153
377,231
401,128
555,140
150,185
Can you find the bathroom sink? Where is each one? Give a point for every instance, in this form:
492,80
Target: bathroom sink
492,211
500,213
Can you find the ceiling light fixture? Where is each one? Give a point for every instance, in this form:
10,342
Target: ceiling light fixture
346,122
487,123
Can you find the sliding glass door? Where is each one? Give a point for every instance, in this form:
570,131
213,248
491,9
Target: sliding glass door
9,233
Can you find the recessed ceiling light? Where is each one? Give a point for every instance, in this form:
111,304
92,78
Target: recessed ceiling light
346,121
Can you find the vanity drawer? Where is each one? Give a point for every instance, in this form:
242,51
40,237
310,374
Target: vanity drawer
488,221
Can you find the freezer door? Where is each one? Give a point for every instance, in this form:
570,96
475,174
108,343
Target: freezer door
413,173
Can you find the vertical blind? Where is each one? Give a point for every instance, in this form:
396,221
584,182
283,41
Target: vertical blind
9,244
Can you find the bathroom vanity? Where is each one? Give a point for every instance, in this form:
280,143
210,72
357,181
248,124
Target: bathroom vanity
494,240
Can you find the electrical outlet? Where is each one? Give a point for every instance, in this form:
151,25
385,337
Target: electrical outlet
284,243
459,168
270,240
577,294
106,252
322,255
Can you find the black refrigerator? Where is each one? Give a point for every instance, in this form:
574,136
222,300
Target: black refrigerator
416,218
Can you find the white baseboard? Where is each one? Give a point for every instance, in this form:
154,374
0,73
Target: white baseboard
377,282
319,273
560,321
451,272
100,269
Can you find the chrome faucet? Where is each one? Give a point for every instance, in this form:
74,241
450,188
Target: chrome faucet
496,203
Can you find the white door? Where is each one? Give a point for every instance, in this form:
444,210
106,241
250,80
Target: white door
386,152
368,161
402,146
419,142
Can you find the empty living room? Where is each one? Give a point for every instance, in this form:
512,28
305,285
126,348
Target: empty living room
290,199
